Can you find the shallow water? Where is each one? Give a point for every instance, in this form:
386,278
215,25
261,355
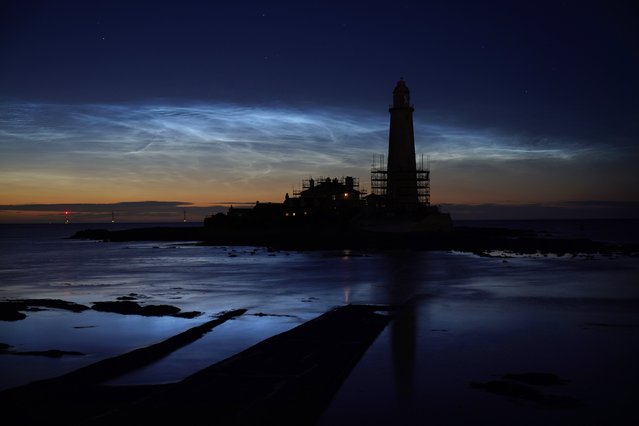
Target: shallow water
469,319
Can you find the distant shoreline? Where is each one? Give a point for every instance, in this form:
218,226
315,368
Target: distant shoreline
478,240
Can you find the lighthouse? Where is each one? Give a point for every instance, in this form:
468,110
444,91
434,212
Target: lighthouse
401,170
400,186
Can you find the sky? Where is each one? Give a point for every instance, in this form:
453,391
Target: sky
152,109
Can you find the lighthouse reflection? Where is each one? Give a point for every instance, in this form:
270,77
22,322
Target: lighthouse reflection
400,285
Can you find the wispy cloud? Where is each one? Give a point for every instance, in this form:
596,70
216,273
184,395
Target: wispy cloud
168,149
447,143
173,141
232,135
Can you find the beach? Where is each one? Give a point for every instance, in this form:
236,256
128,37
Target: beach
468,322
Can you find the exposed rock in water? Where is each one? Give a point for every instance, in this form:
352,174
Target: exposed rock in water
129,298
126,307
537,379
505,388
51,353
51,303
10,310
511,386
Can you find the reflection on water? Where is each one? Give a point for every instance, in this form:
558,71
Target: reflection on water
403,346
347,295
400,283
222,342
461,318
465,319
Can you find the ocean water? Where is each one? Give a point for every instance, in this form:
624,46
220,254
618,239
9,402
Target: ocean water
469,318
613,231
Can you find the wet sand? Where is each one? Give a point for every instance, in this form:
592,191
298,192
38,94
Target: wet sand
286,379
479,322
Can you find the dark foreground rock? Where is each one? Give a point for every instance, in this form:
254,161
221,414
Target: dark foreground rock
288,379
128,307
537,379
10,312
526,387
5,349
13,309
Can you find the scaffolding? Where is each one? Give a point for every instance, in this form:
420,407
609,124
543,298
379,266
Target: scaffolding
379,179
379,176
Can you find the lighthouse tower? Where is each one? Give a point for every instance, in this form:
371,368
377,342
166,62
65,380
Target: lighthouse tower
401,169
401,185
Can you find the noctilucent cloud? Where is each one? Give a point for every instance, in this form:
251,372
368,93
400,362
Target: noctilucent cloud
523,110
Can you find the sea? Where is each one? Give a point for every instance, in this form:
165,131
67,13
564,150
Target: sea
468,320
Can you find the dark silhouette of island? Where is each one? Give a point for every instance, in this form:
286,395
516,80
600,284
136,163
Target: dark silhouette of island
399,198
334,213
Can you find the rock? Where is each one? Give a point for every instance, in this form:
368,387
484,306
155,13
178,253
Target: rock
10,309
511,387
129,298
9,312
126,307
191,314
51,353
505,388
537,379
